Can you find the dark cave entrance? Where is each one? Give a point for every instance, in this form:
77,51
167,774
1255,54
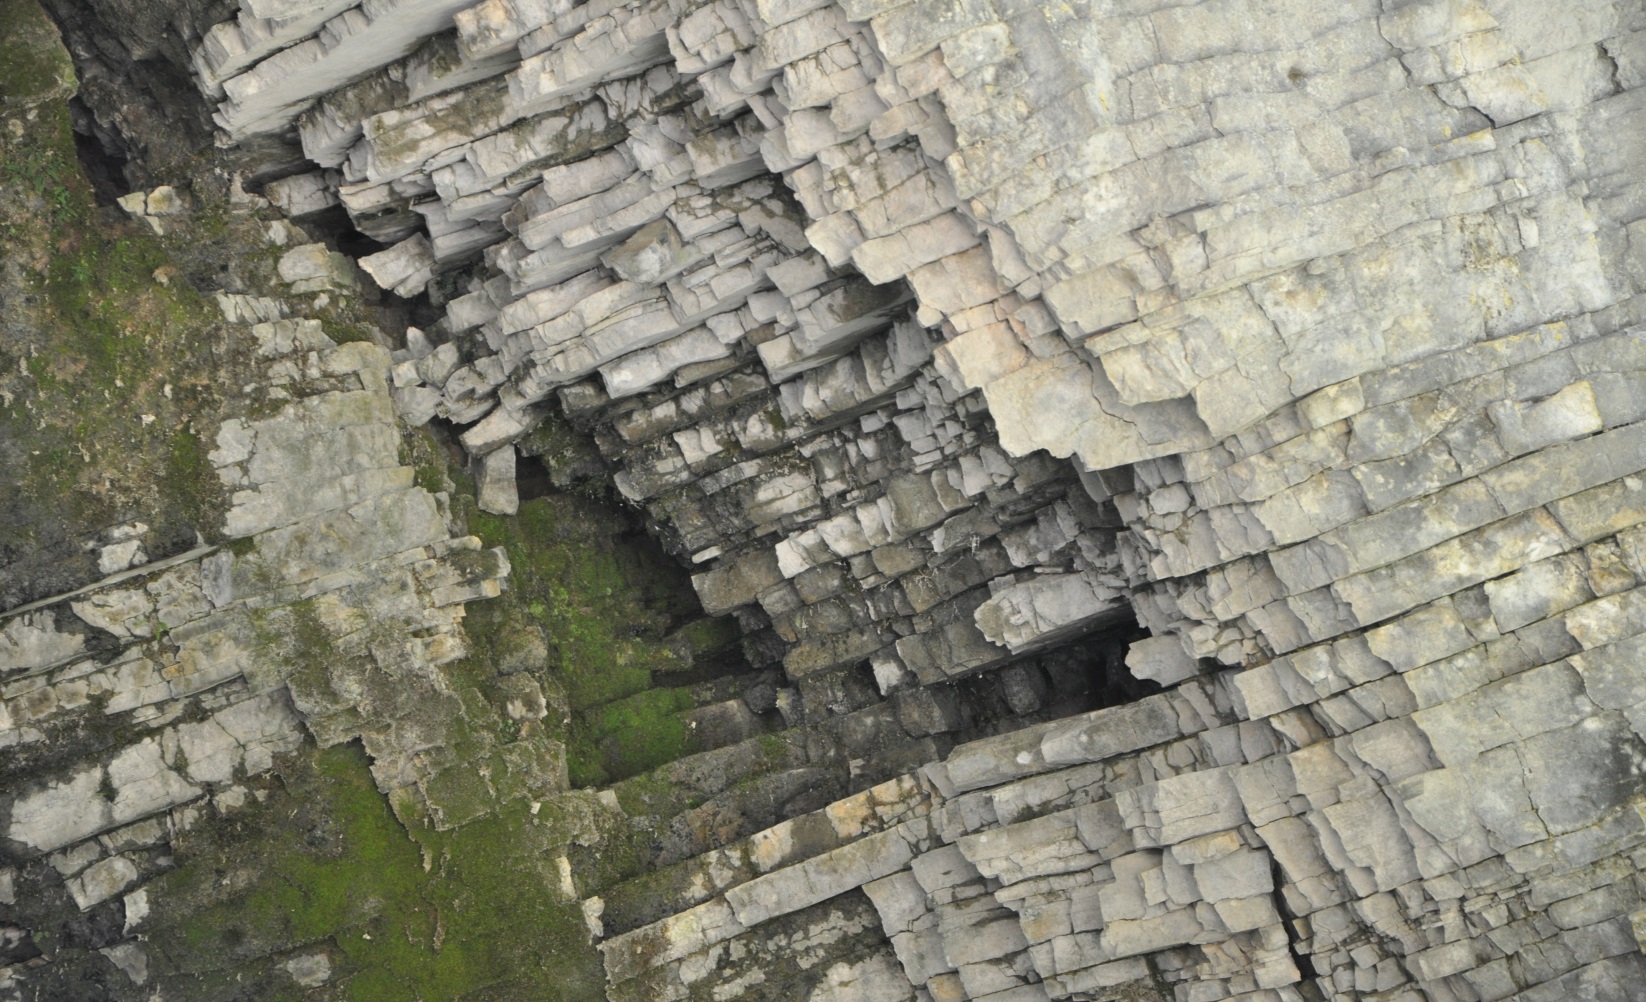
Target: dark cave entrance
102,155
531,477
1108,681
1077,676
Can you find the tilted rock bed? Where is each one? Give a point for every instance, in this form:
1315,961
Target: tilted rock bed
199,740
936,337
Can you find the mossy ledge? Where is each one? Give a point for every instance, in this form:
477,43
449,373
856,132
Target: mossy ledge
322,866
320,863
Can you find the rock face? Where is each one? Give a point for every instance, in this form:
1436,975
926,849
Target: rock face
336,555
937,336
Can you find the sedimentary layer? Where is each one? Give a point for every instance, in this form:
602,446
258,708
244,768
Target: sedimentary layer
940,337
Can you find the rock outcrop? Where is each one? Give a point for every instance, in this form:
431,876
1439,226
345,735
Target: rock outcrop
940,337
336,595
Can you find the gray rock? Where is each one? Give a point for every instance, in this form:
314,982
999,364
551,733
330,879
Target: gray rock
1161,660
310,970
130,959
654,253
1366,471
101,881
495,486
33,641
303,194
314,268
820,878
1044,609
404,269
926,711
520,650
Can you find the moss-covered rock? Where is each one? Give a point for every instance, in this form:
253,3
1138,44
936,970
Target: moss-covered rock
618,618
322,865
34,66
113,373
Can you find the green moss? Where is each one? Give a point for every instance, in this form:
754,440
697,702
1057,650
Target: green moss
42,165
111,369
571,457
774,750
33,63
427,459
643,795
619,616
604,602
324,861
431,478
630,736
192,480
707,639
344,331
339,826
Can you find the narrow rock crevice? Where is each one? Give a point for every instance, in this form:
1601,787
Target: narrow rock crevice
102,154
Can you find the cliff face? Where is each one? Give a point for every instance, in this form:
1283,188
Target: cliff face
1176,472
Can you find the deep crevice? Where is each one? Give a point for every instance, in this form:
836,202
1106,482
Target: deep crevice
356,244
1109,681
1307,986
1610,60
531,478
101,152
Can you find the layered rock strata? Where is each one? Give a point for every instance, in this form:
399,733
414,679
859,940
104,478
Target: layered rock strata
155,698
937,334
648,246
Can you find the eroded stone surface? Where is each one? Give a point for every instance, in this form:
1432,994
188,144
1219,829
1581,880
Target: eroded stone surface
936,334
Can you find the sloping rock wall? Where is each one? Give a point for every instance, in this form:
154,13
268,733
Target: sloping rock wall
934,334
195,669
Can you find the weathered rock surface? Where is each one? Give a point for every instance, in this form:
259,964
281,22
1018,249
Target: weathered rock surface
937,336
339,569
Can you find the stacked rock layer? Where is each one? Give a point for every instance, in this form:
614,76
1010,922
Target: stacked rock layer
144,703
939,332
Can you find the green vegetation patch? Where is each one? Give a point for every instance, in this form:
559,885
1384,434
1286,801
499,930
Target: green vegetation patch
323,865
34,66
606,599
112,369
630,736
594,609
